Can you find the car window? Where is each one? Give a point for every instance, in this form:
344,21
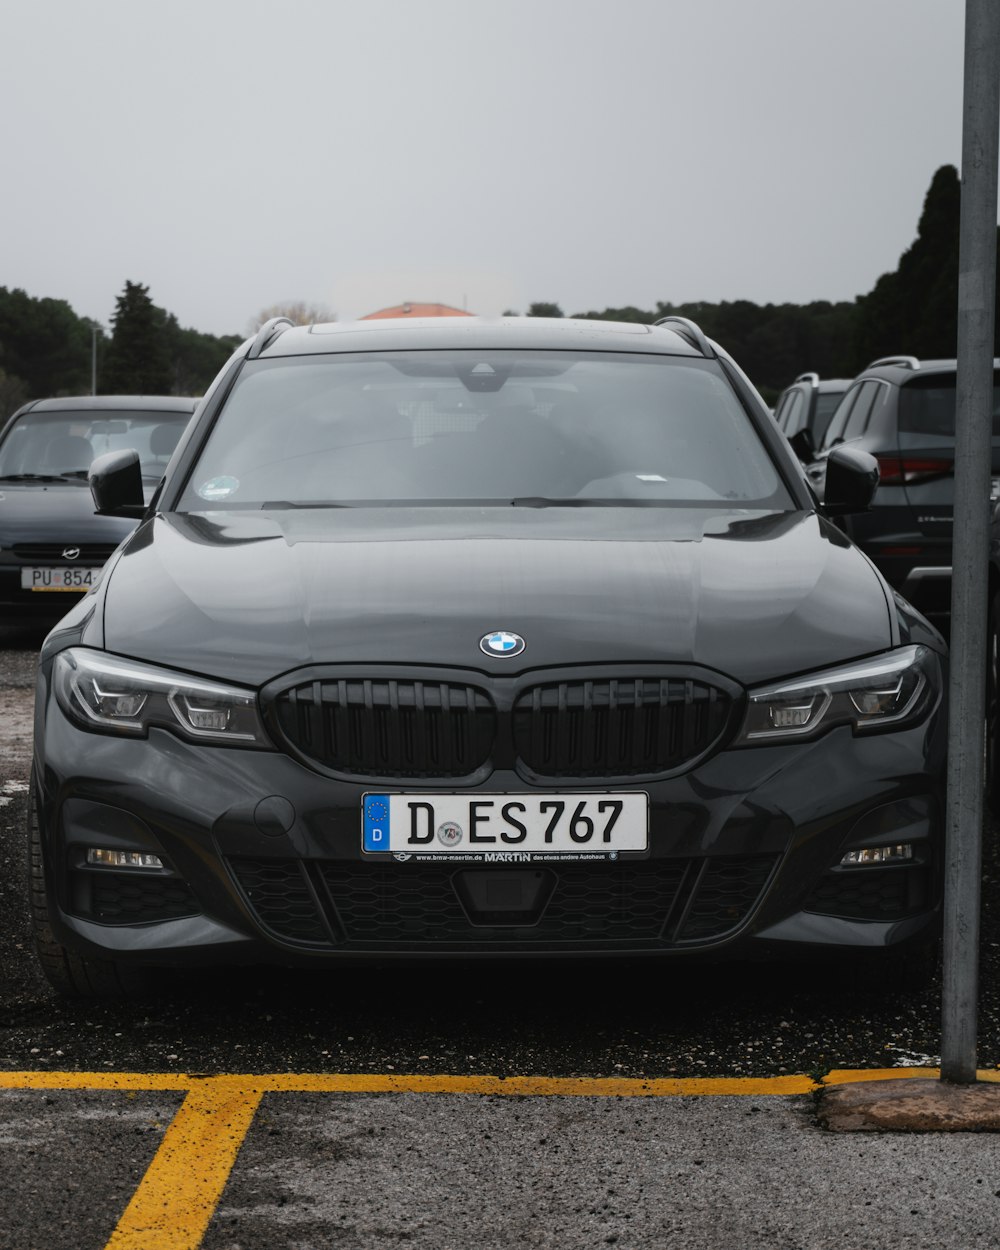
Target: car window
857,421
492,427
796,414
835,430
65,443
826,406
927,411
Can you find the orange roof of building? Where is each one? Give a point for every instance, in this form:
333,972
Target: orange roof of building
417,310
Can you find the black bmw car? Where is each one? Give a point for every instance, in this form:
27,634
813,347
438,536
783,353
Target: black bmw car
52,545
483,638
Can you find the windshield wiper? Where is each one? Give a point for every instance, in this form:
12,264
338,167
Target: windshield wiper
543,501
309,503
32,477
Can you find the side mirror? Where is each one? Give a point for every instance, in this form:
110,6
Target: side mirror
116,484
803,445
851,481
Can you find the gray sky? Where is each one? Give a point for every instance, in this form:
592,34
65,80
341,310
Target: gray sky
356,153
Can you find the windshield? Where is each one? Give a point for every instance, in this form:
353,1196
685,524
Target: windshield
63,444
529,428
927,411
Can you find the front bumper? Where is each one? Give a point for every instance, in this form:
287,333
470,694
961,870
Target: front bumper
263,858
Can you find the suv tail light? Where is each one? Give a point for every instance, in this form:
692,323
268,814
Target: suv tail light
897,470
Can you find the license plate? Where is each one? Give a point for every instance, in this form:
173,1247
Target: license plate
58,579
502,827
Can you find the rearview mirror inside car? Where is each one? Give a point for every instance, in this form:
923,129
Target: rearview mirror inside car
851,481
116,484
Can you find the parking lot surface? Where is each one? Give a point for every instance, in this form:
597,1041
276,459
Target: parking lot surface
338,1165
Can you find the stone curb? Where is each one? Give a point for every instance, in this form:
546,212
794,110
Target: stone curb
910,1106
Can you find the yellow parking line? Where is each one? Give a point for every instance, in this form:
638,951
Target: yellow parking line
177,1197
98,1080
414,1083
440,1083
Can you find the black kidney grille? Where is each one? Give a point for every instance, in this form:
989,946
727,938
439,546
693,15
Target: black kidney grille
618,727
390,728
90,553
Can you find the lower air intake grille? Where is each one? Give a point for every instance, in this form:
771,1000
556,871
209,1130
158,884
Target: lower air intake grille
279,894
871,893
655,904
120,898
618,903
389,728
728,888
622,727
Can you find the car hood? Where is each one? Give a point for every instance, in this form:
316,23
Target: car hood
246,597
55,512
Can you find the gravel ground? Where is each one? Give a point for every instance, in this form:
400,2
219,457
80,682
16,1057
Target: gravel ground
652,1019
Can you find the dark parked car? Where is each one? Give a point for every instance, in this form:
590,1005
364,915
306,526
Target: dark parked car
52,545
902,411
808,404
470,638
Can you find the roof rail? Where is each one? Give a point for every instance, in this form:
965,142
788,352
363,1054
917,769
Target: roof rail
905,362
266,335
812,378
691,331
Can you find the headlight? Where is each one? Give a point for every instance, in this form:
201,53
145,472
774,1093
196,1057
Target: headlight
869,695
112,695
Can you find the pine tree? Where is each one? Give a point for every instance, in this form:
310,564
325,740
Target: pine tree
138,360
914,310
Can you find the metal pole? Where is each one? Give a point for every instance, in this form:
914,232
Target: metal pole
93,358
973,454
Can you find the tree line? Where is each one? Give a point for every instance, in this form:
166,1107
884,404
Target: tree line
46,348
912,310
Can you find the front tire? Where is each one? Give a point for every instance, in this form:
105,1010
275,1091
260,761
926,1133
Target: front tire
71,975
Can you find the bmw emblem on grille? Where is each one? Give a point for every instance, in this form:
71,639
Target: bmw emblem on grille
70,553
501,643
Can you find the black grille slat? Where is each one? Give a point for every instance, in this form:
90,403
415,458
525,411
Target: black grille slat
619,727
389,727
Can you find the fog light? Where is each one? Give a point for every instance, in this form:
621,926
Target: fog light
878,855
122,859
